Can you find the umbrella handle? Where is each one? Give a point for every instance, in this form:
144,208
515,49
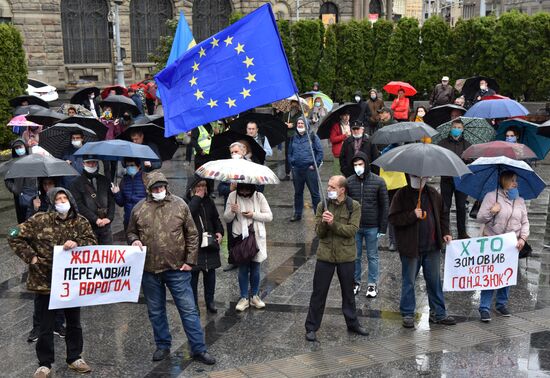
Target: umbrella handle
418,204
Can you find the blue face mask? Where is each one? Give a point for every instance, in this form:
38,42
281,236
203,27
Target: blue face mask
455,133
511,139
132,170
20,151
513,193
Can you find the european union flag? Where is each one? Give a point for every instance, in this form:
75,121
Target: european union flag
239,68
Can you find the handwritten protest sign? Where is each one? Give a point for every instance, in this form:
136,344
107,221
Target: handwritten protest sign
98,274
489,262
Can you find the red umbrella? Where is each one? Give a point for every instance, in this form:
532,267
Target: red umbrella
119,90
495,97
515,151
394,86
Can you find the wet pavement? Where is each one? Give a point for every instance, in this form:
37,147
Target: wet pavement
118,338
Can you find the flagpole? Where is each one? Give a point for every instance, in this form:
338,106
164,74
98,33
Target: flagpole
319,182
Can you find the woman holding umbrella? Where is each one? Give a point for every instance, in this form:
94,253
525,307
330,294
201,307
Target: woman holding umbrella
247,207
502,211
400,107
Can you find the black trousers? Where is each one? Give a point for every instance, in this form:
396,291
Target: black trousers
321,284
59,317
45,345
287,162
103,234
447,191
208,281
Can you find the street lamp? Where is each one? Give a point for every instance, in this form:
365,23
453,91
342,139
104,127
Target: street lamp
119,68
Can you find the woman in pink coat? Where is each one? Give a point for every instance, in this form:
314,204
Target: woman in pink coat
502,211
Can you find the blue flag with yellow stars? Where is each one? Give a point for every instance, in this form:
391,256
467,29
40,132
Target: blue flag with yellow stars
239,68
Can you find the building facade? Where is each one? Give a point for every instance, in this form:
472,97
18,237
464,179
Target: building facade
476,8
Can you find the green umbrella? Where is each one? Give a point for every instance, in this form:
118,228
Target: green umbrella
476,130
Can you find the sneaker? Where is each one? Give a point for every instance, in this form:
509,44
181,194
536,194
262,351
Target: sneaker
33,335
42,372
485,316
447,320
372,291
242,305
408,322
161,354
504,311
61,332
257,302
356,288
80,366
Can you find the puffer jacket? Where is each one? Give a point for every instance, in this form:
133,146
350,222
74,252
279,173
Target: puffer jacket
512,216
371,193
39,234
299,154
458,146
348,152
205,208
337,241
132,190
166,228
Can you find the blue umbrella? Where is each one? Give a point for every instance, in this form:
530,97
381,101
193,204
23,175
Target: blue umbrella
504,108
117,149
527,135
486,172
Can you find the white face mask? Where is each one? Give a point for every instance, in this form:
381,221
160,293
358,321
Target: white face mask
332,194
415,182
357,98
159,196
301,130
359,169
90,169
236,156
76,143
483,87
63,207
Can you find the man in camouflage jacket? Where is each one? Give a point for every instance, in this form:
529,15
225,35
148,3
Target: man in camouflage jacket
33,241
163,223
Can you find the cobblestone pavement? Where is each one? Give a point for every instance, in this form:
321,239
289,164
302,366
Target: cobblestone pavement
118,339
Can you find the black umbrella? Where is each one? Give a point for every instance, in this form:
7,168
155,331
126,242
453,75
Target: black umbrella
402,132
167,147
471,86
81,95
45,117
441,114
334,116
91,123
32,100
57,139
120,104
544,129
29,109
154,119
273,128
37,165
219,148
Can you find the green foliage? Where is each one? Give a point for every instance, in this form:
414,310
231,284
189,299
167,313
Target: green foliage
368,59
403,58
537,61
307,44
435,50
286,39
328,63
381,34
351,72
13,76
164,47
235,16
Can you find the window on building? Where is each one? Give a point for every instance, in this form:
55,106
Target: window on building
328,13
209,17
5,12
147,24
85,31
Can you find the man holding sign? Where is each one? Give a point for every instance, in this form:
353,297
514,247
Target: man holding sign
34,241
163,223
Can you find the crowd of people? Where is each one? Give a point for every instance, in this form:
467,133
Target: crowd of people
184,234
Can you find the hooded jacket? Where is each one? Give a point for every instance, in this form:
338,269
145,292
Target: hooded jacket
365,113
348,152
205,208
299,154
39,234
24,189
371,193
166,228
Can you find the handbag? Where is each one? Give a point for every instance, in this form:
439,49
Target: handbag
242,251
208,240
525,251
475,209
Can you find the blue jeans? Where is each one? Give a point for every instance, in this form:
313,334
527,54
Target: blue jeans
179,284
371,242
300,178
430,263
250,271
486,298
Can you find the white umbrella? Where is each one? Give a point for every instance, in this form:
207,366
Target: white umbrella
237,170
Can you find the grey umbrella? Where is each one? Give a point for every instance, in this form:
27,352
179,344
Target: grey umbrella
422,160
402,132
57,139
37,165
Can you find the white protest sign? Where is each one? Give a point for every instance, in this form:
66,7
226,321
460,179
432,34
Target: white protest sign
94,275
489,262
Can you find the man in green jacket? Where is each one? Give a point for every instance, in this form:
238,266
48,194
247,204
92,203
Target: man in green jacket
336,227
